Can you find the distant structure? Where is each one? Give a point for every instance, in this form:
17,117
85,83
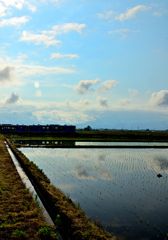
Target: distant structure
53,128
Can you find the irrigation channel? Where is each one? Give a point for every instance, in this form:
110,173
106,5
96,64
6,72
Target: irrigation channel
125,189
31,188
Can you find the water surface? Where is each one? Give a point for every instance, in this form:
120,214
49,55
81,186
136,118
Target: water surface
119,187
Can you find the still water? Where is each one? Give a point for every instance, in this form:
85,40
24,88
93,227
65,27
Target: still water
119,187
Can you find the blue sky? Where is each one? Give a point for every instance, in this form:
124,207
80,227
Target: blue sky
97,63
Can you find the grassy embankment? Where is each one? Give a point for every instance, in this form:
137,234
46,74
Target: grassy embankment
20,216
73,219
110,136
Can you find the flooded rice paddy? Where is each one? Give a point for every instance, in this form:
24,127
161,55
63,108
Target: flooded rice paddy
118,187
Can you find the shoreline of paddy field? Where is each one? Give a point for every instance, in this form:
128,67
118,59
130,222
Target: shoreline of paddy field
73,220
20,215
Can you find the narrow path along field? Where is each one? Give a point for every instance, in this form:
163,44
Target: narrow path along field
20,216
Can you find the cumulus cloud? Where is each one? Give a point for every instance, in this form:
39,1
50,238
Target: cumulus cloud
84,85
48,37
107,85
102,101
13,98
59,55
14,21
160,98
7,74
130,13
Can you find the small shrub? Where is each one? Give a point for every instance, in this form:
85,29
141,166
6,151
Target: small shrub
85,234
3,225
19,233
47,233
37,201
58,220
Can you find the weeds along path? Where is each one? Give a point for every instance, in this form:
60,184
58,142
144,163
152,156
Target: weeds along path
20,216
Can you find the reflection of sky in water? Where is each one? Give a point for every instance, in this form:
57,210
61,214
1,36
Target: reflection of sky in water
117,186
77,143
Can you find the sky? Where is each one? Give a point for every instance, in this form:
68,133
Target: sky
84,62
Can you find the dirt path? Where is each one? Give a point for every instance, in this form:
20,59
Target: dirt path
20,217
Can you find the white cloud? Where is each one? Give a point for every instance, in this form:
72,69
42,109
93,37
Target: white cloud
67,27
39,39
20,59
107,85
38,93
124,102
62,55
2,63
56,2
123,32
13,98
107,15
102,101
2,10
130,13
84,85
10,73
14,21
63,116
68,86
48,37
133,92
19,4
159,98
28,70
82,103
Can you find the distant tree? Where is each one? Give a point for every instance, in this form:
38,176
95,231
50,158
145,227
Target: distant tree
88,128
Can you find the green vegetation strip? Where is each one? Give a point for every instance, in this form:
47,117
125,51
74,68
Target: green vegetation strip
106,136
20,216
69,217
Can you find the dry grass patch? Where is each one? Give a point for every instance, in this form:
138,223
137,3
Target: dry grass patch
20,218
